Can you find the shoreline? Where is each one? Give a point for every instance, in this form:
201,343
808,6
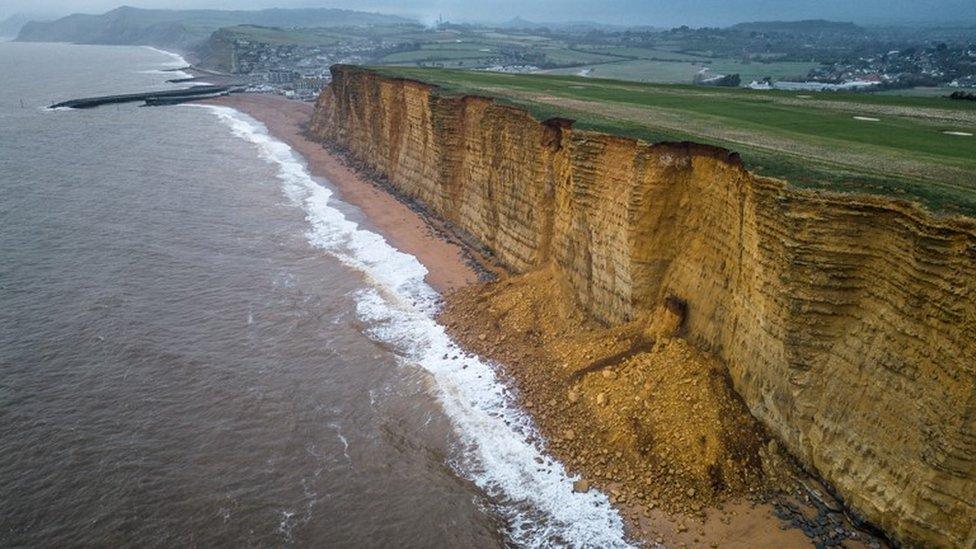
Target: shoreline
397,309
453,269
449,263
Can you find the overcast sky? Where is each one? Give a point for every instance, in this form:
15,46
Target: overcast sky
660,13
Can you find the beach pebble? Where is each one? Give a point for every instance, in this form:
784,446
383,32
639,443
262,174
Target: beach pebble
581,486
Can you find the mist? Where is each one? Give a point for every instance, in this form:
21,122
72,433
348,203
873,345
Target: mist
656,13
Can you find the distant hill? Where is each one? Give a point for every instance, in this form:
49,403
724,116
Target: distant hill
185,28
810,26
518,23
10,26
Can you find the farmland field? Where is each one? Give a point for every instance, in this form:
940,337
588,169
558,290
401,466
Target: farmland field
682,72
646,53
840,141
276,36
566,56
555,53
436,54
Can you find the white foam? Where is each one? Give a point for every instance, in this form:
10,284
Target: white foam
533,490
960,134
177,62
342,439
177,59
867,119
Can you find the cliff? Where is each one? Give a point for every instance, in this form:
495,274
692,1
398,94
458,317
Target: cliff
847,323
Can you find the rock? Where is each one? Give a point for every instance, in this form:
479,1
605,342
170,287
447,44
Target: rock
691,492
601,399
581,486
482,337
569,434
572,396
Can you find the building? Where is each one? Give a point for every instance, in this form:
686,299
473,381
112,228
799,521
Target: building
282,76
314,84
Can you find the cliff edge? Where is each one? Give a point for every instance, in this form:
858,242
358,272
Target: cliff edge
847,322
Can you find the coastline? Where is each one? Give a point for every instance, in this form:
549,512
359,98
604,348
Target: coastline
453,269
448,262
502,456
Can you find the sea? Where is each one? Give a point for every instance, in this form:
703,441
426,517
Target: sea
202,345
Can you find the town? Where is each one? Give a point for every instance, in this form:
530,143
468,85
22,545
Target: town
805,55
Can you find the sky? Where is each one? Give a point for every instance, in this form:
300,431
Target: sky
658,13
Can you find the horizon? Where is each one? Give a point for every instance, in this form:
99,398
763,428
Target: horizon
622,13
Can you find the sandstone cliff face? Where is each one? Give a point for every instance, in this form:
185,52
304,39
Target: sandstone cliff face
848,323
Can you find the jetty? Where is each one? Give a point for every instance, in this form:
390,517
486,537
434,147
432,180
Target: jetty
160,101
186,94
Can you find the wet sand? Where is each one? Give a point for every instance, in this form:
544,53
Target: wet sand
446,261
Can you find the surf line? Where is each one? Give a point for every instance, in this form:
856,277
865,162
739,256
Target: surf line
533,491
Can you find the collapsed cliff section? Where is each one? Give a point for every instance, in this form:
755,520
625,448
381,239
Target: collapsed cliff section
633,407
847,323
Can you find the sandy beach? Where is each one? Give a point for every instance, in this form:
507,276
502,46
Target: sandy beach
445,259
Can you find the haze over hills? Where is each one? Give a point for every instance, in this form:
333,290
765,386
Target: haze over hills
185,28
806,26
655,13
10,27
523,24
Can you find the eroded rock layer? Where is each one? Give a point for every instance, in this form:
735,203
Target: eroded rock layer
848,323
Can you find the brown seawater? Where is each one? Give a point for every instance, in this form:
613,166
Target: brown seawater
201,345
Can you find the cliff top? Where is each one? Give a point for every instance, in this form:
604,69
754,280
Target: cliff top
915,148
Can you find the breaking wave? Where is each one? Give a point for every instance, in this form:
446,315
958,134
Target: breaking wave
177,62
532,491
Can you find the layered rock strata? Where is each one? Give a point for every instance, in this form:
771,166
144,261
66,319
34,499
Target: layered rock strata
848,323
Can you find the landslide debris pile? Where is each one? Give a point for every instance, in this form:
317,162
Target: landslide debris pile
638,411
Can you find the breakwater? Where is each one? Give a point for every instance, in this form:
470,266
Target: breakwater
189,93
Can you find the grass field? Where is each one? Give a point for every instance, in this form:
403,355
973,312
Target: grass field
646,53
489,47
918,92
840,141
431,54
276,36
683,72
566,56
